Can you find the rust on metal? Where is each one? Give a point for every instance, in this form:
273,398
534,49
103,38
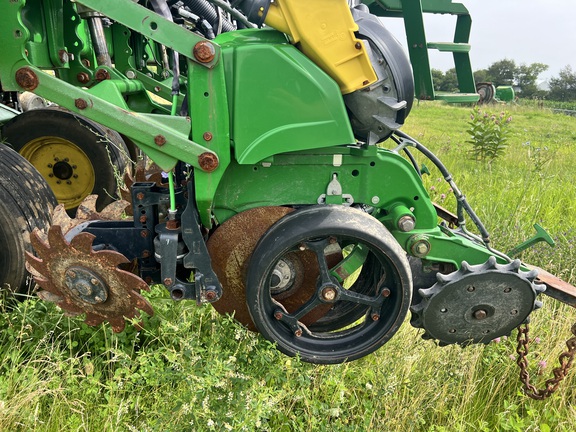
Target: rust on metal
56,256
168,281
81,104
207,136
172,224
446,215
83,77
153,174
230,248
204,52
565,360
102,75
556,287
160,140
27,79
208,161
63,56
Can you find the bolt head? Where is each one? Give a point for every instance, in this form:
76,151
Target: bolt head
406,223
329,293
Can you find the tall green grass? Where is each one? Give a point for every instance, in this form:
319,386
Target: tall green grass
192,369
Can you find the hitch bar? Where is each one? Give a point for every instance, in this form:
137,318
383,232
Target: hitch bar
556,287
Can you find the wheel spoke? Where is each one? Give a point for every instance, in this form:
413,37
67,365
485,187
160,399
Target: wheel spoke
319,247
306,308
351,296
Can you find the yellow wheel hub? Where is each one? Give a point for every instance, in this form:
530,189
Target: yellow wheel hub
67,169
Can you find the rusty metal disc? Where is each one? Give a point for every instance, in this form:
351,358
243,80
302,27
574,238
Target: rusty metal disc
80,280
231,247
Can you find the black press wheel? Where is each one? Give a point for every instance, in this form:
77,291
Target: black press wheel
26,202
76,156
365,310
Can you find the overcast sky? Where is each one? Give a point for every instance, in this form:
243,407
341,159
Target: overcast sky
526,31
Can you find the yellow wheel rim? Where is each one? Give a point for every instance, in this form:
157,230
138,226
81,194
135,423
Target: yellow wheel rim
66,168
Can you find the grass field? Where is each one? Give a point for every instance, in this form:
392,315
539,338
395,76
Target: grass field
192,369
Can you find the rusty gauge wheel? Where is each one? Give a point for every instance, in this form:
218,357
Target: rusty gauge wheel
368,291
231,247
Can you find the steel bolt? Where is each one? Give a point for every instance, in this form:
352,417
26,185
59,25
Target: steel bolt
386,292
168,281
375,317
130,74
480,314
421,248
27,79
329,293
68,182
207,136
144,233
83,77
210,295
406,223
143,218
81,104
470,289
358,45
375,200
63,56
204,52
278,315
208,161
140,196
298,333
160,140
452,331
102,74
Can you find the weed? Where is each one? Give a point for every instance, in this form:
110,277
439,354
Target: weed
488,134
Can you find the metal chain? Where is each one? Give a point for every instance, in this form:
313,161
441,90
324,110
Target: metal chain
565,359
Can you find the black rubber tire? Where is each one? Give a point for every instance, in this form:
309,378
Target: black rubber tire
26,202
106,152
334,341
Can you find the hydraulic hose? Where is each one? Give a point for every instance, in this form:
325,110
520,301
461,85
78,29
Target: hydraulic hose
161,8
204,9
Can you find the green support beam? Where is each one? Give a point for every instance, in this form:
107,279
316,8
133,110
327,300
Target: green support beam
412,12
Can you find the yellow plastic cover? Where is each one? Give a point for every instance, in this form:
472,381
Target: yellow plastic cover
324,31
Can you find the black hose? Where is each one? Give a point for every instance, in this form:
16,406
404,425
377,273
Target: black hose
206,10
161,8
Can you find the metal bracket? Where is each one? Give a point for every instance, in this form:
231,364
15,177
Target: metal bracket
334,194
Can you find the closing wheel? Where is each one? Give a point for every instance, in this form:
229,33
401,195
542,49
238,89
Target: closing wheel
26,202
362,317
76,156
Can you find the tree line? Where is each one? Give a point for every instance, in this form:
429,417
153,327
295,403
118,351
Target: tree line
522,77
